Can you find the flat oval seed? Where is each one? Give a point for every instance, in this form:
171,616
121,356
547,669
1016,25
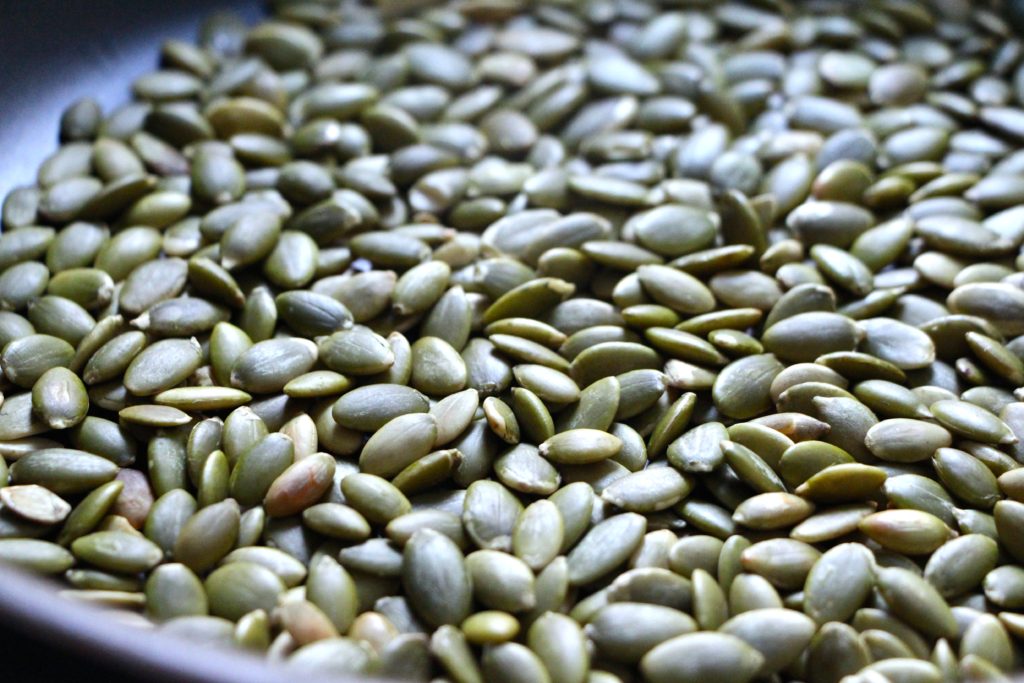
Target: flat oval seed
154,416
59,397
783,561
695,657
356,351
317,384
25,360
300,486
258,467
580,446
839,583
370,407
208,535
561,645
538,534
237,588
914,600
678,290
804,337
550,385
162,365
438,583
910,532
34,503
202,398
961,564
776,510
648,490
489,514
63,470
173,590
513,663
751,468
437,368
967,477
972,422
268,366
490,627
88,513
117,551
605,546
501,581
905,440
523,469
398,443
742,388
843,483
37,556
780,635
375,498
626,631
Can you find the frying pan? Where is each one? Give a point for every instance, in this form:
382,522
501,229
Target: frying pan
54,52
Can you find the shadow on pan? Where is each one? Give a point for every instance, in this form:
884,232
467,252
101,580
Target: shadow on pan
80,642
54,52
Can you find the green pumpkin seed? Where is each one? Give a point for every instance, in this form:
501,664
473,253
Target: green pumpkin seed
25,360
911,532
267,366
173,590
117,551
63,470
34,503
33,555
580,446
966,477
751,468
398,443
501,581
357,351
627,644
702,656
905,440
648,490
162,365
584,294
431,558
838,584
299,486
604,547
207,536
844,482
60,398
778,635
776,510
742,388
258,467
560,644
915,601
154,416
523,469
375,498
369,407
972,422
237,588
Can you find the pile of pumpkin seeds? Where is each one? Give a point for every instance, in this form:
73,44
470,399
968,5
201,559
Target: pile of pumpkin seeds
574,341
